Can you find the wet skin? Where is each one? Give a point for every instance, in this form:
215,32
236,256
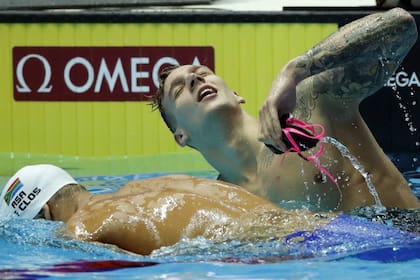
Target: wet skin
325,85
148,214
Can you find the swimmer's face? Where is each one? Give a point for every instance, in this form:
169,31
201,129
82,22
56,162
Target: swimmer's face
44,213
194,96
55,212
62,205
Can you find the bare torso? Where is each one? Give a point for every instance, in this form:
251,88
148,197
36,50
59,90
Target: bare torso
148,214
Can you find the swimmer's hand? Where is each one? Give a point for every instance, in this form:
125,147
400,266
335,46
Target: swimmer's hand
280,101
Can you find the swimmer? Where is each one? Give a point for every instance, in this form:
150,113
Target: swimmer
147,214
325,85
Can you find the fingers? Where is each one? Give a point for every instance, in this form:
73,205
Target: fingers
281,100
270,128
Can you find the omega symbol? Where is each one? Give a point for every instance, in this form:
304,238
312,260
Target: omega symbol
22,85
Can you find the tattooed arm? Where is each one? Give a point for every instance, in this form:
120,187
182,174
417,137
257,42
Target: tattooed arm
355,61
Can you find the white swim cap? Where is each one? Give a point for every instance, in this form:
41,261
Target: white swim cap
30,188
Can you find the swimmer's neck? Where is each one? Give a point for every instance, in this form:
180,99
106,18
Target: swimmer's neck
234,154
81,198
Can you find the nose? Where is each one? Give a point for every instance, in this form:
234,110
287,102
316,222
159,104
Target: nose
193,79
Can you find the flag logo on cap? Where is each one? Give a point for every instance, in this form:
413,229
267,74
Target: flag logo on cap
13,190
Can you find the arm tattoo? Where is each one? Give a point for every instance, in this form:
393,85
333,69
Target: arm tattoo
355,61
376,35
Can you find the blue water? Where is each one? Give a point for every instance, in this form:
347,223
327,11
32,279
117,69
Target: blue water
34,249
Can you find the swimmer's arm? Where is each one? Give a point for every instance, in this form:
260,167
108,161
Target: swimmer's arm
109,227
359,58
362,54
378,42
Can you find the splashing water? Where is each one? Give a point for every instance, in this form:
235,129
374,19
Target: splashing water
411,105
359,167
407,115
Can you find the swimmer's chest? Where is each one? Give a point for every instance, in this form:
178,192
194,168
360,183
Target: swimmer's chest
288,178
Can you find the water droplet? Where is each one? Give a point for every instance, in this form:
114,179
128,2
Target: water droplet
358,166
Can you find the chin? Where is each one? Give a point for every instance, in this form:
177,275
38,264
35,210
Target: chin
217,110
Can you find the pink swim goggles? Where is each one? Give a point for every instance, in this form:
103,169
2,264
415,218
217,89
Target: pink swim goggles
298,137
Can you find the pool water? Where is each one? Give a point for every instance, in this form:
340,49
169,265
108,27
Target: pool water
39,249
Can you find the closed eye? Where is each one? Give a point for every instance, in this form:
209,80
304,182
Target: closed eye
203,74
178,91
41,214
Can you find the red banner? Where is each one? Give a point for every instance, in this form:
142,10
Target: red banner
97,73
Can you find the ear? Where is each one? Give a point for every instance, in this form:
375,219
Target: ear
240,99
181,137
47,212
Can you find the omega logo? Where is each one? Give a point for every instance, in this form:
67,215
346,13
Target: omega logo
104,74
97,73
23,87
403,79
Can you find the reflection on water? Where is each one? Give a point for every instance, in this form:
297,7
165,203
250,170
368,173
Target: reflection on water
41,242
33,245
404,219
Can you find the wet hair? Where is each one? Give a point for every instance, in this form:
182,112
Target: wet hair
157,99
66,191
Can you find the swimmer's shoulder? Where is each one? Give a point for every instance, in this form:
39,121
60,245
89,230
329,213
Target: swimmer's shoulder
156,183
175,181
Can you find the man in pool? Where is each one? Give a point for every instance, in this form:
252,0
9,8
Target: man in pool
325,85
147,214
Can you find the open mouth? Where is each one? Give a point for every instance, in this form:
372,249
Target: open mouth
206,91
